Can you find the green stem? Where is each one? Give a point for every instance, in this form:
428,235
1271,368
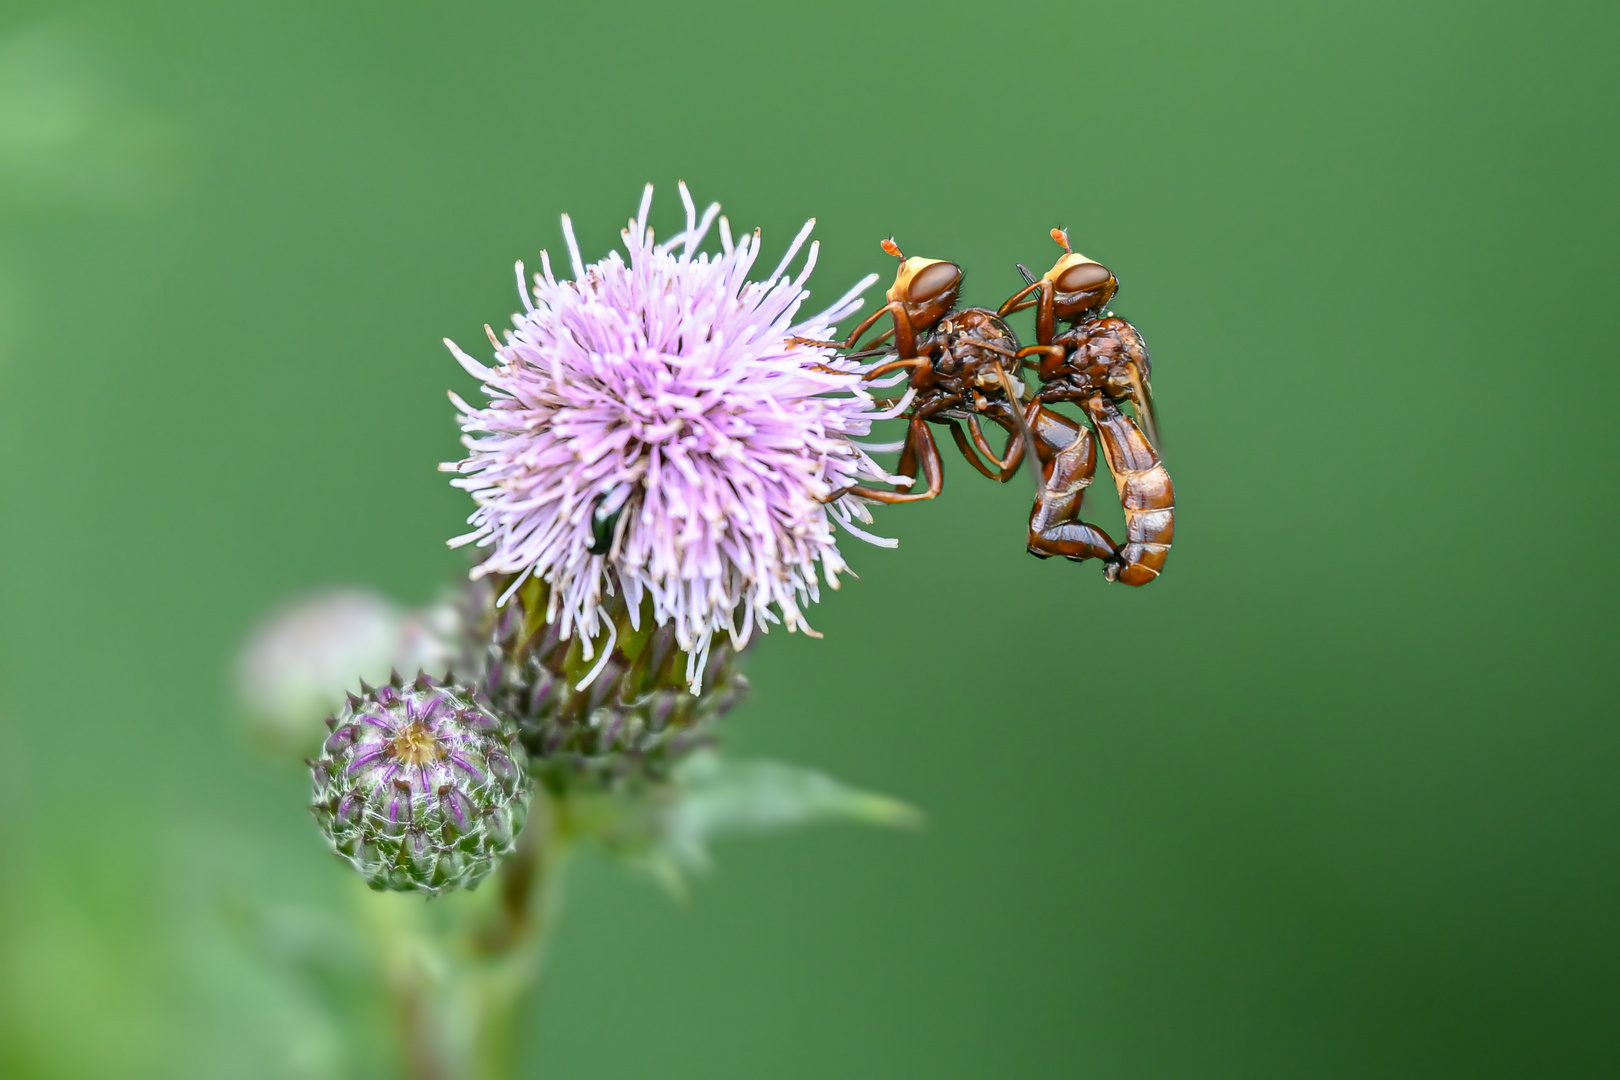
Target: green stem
460,968
509,950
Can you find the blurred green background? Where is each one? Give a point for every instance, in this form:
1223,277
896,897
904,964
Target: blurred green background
1335,798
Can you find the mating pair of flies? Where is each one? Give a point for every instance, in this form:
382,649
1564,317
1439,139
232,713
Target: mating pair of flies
967,364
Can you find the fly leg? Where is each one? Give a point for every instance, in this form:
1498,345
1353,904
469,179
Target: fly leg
968,452
1004,468
1005,415
1014,449
1069,461
890,309
920,450
1144,491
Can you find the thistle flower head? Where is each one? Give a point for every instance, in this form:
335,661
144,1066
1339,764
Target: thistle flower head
421,786
652,431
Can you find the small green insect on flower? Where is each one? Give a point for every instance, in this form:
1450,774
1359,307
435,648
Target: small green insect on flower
421,785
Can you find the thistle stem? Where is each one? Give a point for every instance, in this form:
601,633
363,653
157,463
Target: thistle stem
510,948
460,968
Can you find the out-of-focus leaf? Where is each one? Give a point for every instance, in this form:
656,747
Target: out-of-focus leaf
664,829
332,978
104,981
717,795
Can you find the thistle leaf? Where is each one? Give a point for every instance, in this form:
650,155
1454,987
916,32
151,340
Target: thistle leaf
719,795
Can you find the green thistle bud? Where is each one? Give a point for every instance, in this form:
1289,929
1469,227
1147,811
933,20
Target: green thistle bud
599,718
421,785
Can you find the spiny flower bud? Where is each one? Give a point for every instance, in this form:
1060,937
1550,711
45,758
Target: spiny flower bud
622,706
421,786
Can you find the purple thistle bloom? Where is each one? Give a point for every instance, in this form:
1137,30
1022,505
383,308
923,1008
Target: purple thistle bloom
652,409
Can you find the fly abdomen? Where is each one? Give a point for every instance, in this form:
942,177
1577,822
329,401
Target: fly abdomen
1145,493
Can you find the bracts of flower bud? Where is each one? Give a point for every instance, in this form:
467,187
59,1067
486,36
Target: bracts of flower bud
421,785
593,713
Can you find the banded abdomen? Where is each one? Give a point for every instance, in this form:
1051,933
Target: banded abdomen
1145,492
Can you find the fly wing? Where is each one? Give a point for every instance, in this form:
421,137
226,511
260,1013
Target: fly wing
1142,399
1016,401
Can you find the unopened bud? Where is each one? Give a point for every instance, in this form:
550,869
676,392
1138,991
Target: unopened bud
420,785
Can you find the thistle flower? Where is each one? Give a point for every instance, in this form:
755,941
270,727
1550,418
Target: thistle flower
421,786
651,431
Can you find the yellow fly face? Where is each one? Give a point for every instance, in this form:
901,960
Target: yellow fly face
926,287
1079,285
